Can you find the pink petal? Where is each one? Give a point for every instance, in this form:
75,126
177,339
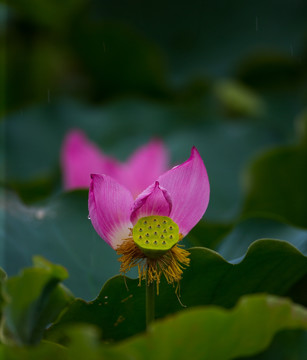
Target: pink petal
153,201
80,158
188,186
144,167
109,209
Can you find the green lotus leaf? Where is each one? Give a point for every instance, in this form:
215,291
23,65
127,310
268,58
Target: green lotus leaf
215,333
45,350
210,280
207,332
288,344
34,299
236,242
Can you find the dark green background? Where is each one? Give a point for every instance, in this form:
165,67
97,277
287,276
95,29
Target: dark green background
229,77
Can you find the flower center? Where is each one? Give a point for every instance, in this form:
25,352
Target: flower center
155,235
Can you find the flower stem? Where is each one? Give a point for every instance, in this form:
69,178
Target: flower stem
150,303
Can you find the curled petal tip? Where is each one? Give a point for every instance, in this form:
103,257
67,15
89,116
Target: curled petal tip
74,137
76,131
157,142
194,151
93,176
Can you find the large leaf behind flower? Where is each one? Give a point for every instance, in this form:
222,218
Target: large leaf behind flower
232,240
235,244
61,231
119,308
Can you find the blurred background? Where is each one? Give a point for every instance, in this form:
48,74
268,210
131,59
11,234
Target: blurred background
229,77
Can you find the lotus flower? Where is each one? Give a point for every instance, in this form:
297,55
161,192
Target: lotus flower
146,231
80,158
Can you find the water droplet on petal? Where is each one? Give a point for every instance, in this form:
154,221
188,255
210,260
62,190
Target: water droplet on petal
88,216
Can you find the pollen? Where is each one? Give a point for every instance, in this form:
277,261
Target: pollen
170,264
162,233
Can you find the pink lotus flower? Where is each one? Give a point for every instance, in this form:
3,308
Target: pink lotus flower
146,231
80,158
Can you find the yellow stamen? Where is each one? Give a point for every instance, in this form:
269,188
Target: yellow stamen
150,269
